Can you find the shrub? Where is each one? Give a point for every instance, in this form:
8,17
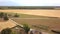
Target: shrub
5,17
26,28
6,31
16,15
1,14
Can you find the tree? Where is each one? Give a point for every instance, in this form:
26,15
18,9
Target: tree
5,17
6,31
1,14
16,15
26,28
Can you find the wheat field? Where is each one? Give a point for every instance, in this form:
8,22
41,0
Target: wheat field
39,12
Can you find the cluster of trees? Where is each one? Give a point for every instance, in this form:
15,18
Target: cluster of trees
27,7
4,16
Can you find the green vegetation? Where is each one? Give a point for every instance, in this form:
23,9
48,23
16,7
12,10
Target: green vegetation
27,7
26,28
6,31
43,27
5,17
16,15
13,32
24,15
27,16
30,16
1,14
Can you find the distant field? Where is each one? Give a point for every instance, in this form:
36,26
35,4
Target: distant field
39,12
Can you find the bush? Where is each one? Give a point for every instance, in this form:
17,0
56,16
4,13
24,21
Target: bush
26,28
1,14
5,17
6,31
16,15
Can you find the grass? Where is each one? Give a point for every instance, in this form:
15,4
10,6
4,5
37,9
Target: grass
28,16
41,24
52,23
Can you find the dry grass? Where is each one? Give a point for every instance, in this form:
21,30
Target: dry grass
53,13
52,23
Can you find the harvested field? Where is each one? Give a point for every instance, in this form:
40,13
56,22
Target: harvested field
53,13
52,23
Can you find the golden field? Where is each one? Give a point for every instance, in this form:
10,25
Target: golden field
39,12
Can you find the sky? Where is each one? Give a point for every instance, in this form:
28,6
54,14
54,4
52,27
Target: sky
29,2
